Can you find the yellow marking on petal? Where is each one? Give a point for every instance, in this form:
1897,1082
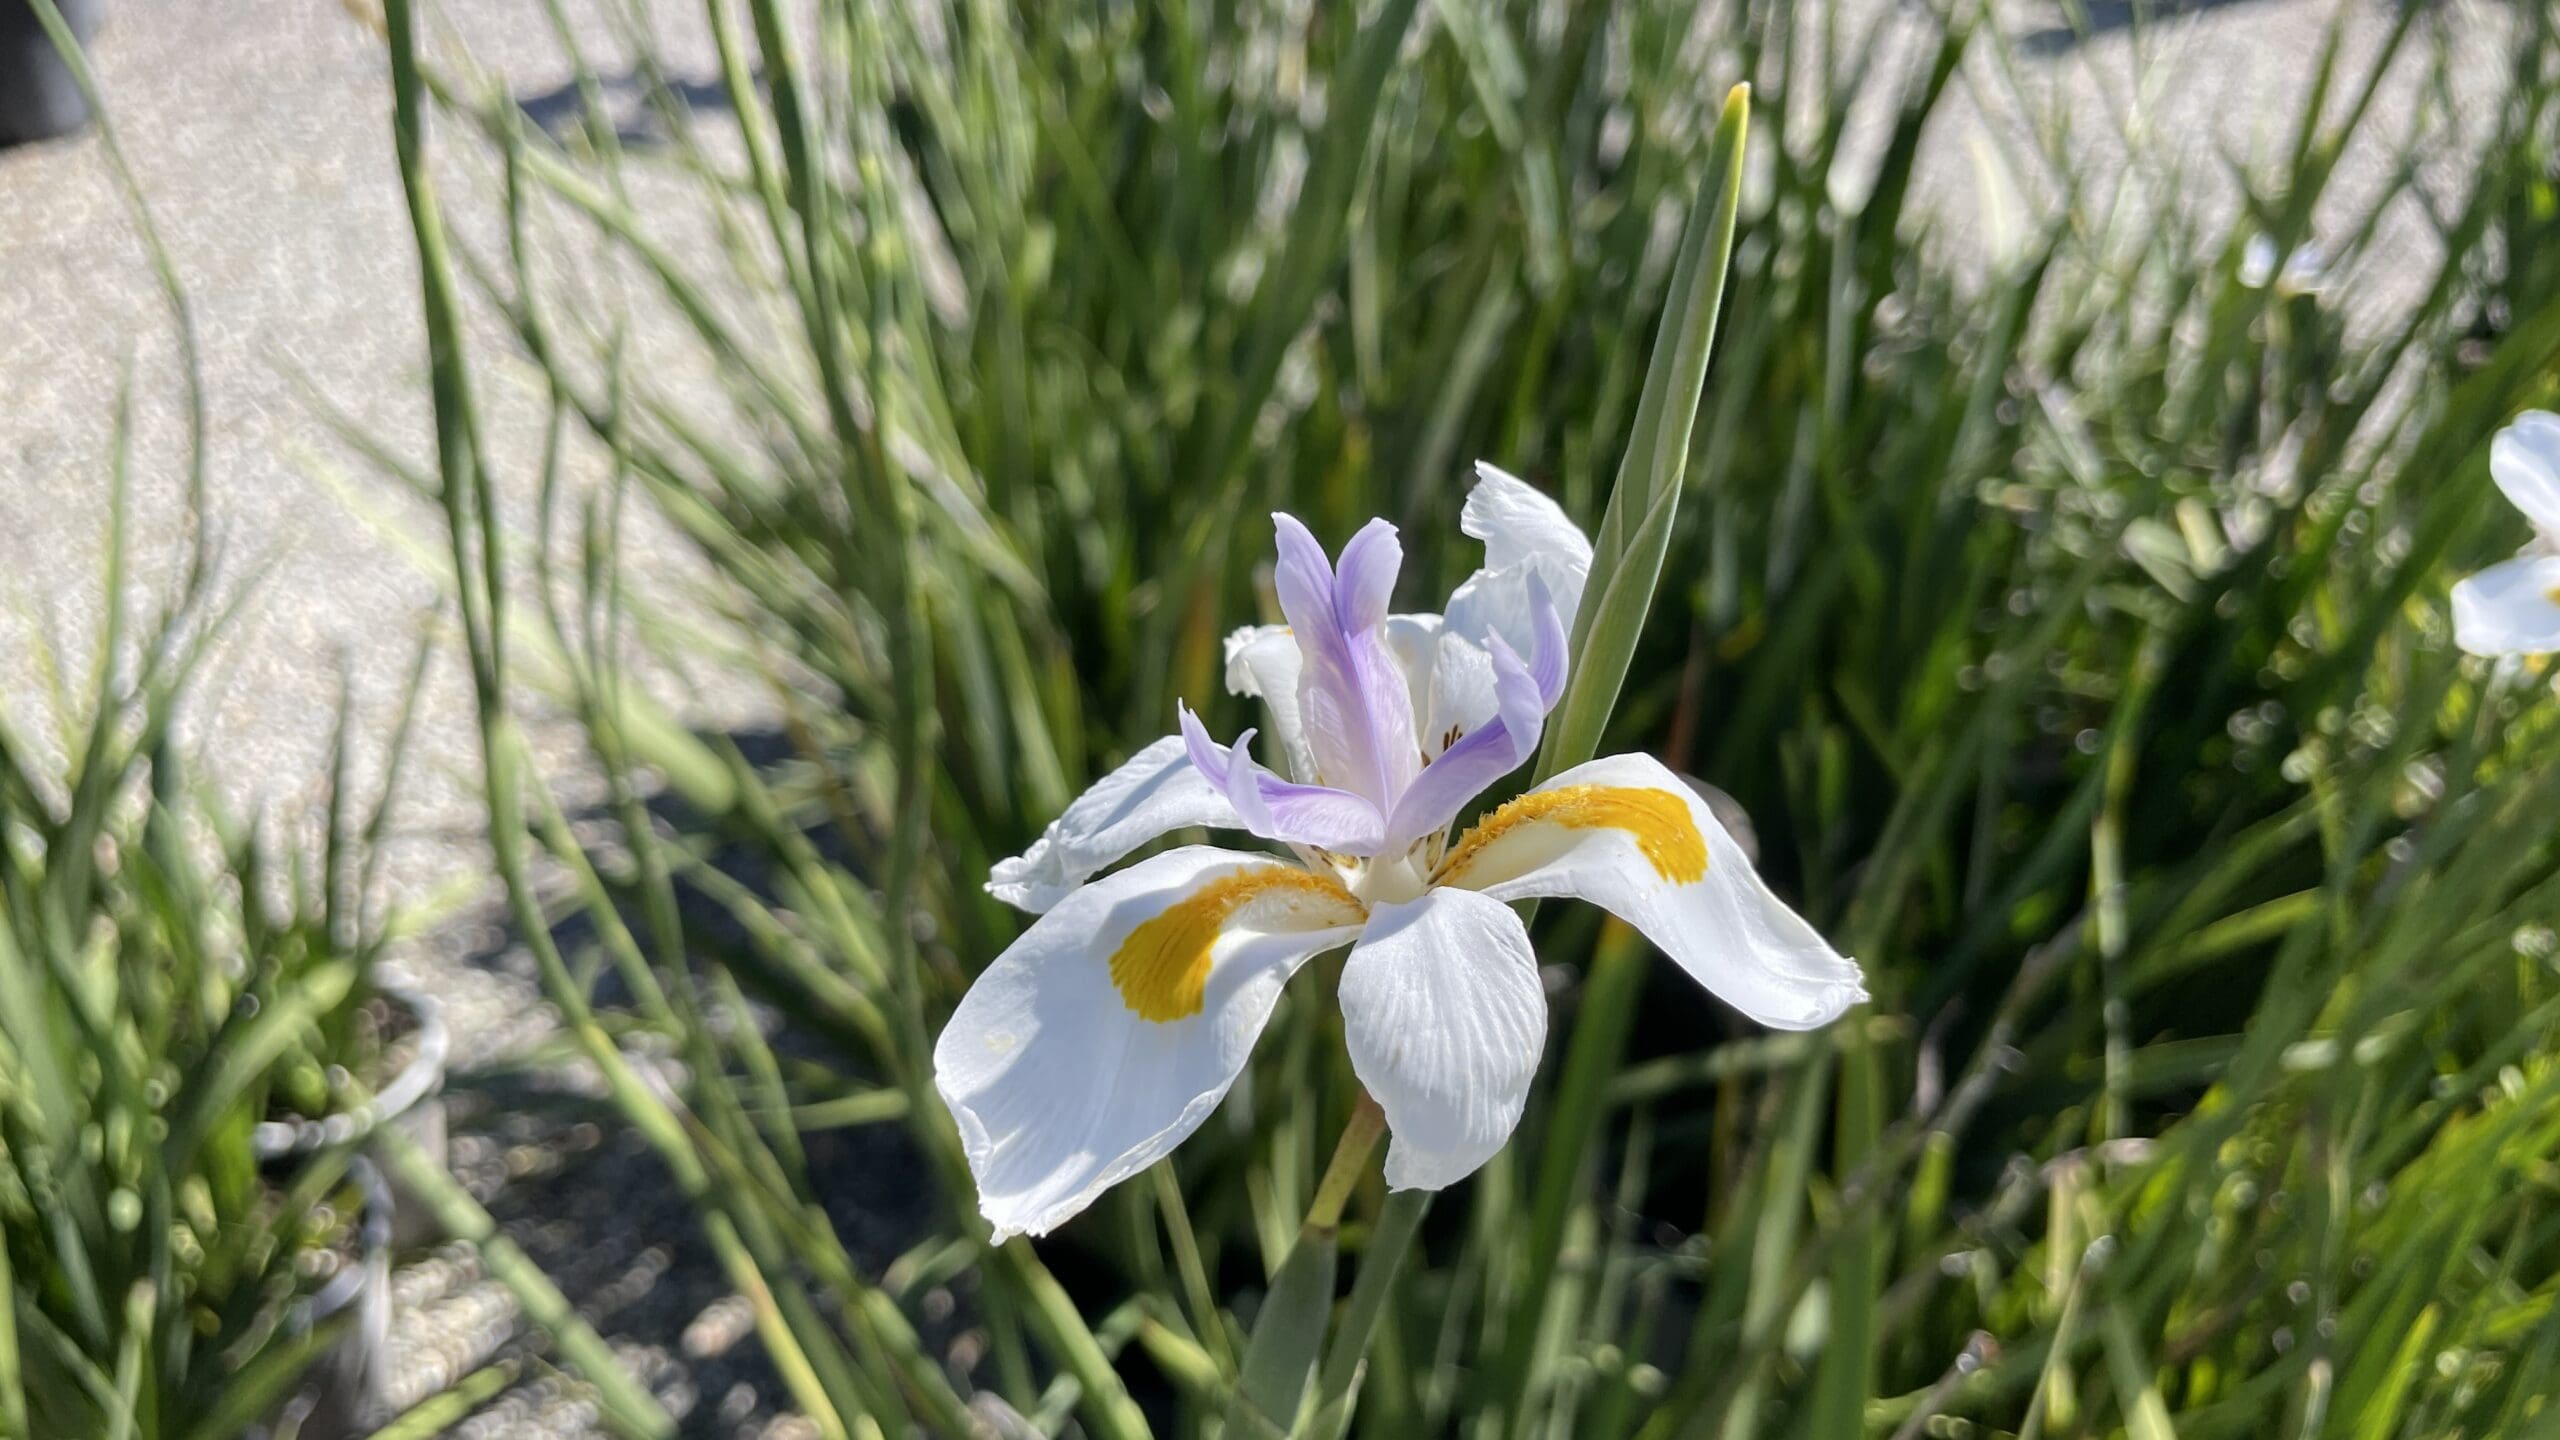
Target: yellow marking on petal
1658,819
2552,594
1162,969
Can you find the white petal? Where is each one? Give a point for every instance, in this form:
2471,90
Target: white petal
1059,1087
1263,662
1626,834
1462,692
1156,793
2510,609
2525,461
1444,1019
1414,641
1524,534
1520,525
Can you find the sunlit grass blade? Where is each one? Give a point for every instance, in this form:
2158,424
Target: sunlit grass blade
1635,529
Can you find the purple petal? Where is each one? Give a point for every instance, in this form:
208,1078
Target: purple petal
1276,809
1356,706
1243,796
1332,820
1520,697
1367,577
1480,757
1302,576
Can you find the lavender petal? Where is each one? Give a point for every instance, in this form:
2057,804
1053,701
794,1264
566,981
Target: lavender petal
1277,809
1480,757
1356,705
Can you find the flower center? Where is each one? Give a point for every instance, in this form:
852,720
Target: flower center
1162,969
1659,820
1392,879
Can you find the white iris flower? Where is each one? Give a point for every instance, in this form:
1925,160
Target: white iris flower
1114,1025
2514,608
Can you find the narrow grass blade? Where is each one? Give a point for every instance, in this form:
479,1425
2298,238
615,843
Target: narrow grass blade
1635,530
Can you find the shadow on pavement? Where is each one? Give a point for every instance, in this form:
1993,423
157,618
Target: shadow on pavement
2109,16
638,108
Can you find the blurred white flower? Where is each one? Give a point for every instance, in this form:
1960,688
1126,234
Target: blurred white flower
2514,608
1106,1034
2302,272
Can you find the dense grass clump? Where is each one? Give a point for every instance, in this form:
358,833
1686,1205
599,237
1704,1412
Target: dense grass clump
189,1025
2068,621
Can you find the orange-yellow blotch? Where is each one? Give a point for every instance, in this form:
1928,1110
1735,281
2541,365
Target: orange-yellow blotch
1162,969
2552,594
1658,819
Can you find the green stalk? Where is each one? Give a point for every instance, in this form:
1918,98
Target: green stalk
1289,1333
1288,1336
1051,1314
127,1411
1185,1241
13,1389
1338,1386
164,269
1769,1296
1846,1374
1635,530
1627,563
1609,994
462,472
1219,451
1635,534
439,1413
891,499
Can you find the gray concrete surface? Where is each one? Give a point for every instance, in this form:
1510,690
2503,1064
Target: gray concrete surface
258,131
259,135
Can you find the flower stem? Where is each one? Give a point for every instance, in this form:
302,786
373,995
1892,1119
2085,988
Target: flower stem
1289,1333
1338,1384
1350,1159
1186,1259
